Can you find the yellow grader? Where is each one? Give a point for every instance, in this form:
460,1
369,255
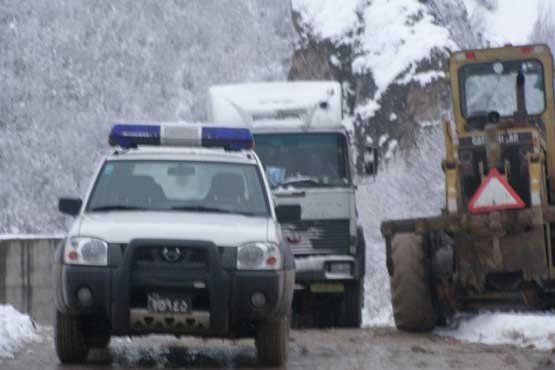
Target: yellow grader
493,245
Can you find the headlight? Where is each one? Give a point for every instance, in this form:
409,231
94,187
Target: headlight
259,256
340,268
86,251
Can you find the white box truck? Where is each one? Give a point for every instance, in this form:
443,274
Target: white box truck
307,155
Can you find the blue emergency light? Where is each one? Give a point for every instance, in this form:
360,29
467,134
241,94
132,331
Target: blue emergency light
230,138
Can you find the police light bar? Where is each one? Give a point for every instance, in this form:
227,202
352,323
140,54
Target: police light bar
230,138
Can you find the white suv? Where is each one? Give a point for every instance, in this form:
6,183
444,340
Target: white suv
178,234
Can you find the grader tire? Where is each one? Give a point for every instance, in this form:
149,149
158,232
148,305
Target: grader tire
411,294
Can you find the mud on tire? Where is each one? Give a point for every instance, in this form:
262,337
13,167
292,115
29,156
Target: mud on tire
71,344
411,294
272,342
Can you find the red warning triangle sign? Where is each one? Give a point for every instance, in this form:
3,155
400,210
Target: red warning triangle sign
494,194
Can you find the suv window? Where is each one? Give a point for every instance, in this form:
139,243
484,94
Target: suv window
179,186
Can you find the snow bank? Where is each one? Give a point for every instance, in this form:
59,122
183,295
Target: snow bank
16,329
521,329
409,185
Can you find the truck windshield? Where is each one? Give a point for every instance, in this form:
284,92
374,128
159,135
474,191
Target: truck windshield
179,186
304,160
491,87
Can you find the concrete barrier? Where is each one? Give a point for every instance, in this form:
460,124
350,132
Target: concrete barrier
26,278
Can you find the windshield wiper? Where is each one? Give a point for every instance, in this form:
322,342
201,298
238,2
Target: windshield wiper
212,209
201,209
117,208
300,181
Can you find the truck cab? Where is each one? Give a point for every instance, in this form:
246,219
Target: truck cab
307,155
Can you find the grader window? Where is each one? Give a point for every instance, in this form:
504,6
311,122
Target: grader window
492,87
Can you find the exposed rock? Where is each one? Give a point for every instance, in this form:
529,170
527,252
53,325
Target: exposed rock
413,102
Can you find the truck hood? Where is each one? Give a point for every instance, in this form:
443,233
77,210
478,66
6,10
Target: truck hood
222,229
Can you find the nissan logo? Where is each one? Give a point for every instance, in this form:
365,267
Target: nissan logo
171,254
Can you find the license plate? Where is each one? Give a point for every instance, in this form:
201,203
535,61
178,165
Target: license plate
327,288
161,303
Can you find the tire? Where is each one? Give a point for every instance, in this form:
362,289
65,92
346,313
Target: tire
272,342
98,340
351,312
353,299
96,332
411,294
71,345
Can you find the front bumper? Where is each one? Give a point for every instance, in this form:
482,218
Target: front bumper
519,236
317,268
221,295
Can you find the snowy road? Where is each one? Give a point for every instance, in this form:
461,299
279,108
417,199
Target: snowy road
327,349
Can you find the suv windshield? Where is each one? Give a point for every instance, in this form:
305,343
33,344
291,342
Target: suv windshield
179,186
489,87
311,159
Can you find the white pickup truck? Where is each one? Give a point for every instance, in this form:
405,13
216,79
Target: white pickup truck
307,156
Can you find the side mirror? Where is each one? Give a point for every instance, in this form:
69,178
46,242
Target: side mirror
288,213
371,160
70,206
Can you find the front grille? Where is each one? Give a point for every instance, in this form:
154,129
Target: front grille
170,270
323,235
156,258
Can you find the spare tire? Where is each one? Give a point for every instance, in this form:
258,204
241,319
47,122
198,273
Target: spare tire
411,293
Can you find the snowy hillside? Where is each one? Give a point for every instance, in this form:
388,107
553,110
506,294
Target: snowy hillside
70,68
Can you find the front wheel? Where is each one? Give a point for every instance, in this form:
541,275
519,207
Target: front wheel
353,299
70,342
272,342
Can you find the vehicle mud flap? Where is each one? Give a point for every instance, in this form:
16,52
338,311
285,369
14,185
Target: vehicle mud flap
218,284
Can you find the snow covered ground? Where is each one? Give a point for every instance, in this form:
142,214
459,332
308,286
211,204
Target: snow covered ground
16,329
521,329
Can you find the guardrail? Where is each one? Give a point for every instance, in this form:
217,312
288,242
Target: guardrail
26,278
